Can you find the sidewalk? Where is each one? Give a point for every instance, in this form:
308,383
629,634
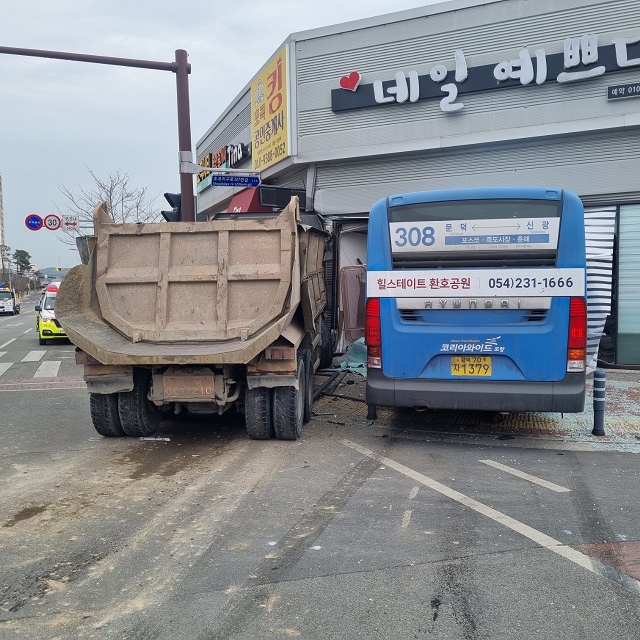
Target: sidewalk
621,419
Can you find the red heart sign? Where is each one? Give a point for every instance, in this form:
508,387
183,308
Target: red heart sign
351,81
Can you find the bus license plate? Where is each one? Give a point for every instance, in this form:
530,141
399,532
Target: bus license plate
471,366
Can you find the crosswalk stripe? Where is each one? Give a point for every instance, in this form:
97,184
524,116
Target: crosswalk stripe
48,369
33,356
4,366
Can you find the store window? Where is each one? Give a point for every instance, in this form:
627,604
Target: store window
628,298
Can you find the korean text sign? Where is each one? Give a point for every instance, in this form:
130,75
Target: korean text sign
457,283
269,113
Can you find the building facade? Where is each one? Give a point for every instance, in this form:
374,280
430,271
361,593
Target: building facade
460,94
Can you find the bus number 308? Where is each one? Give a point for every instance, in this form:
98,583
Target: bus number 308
415,236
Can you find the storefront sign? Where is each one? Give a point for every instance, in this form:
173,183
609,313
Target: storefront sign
269,113
583,58
624,91
228,157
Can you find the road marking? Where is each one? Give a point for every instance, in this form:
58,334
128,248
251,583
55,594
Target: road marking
406,518
2,346
414,493
4,366
27,331
42,385
542,539
2,353
33,356
526,476
48,369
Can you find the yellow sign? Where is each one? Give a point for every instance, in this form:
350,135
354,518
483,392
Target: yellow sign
269,117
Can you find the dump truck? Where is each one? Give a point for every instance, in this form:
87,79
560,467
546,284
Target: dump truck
199,317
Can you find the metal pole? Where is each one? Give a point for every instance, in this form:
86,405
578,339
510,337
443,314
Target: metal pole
599,394
187,207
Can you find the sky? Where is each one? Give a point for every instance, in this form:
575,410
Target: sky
59,119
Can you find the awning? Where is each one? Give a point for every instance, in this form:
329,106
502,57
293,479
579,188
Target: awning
247,200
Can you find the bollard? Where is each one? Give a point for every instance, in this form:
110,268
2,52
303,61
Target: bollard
599,394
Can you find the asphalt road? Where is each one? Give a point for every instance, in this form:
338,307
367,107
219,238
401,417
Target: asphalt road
358,531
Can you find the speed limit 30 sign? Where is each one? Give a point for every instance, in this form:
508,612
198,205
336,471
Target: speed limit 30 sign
52,222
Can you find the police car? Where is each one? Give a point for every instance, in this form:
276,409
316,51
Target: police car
47,326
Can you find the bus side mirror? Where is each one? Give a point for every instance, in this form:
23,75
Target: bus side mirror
38,307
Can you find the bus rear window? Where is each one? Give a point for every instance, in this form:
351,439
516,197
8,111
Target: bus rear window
474,210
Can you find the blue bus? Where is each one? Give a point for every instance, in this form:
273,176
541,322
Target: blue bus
476,300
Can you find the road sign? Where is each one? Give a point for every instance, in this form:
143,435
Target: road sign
52,222
69,221
33,222
235,181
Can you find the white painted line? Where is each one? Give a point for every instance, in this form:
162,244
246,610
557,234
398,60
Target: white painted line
542,539
48,369
414,493
2,353
27,331
406,518
4,366
2,346
33,356
526,476
54,387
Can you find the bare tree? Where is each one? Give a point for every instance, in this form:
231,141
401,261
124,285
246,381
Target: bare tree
125,203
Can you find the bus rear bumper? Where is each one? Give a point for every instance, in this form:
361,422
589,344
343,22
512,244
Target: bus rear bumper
565,396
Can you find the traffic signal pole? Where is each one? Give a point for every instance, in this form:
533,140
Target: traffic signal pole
182,69
187,207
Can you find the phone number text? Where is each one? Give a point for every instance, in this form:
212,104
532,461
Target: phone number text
530,283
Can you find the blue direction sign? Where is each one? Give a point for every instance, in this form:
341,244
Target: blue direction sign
235,181
33,222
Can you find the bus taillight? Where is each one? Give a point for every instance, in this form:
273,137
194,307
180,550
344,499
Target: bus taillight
372,333
577,344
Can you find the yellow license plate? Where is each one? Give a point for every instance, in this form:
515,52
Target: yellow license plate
471,366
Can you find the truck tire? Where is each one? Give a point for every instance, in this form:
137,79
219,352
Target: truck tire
41,340
138,415
257,413
288,407
307,357
326,343
104,414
